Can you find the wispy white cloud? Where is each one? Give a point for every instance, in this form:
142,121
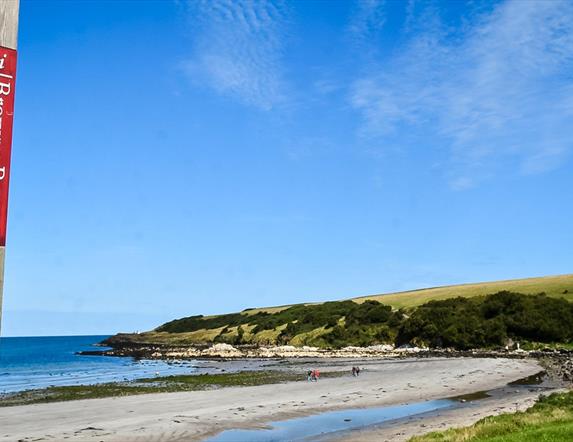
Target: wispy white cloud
237,49
498,93
368,19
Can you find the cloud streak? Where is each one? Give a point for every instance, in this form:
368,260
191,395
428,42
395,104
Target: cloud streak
237,49
497,92
367,21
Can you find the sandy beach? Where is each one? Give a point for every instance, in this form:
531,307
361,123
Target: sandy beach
199,414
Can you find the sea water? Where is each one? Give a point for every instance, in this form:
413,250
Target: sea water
39,362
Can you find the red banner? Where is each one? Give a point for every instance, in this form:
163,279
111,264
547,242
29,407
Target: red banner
7,88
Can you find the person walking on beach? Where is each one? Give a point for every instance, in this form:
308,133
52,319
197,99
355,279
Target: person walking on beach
313,375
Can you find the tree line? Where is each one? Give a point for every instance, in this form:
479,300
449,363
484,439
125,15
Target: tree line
461,323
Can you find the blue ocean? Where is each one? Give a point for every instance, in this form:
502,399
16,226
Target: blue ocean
39,362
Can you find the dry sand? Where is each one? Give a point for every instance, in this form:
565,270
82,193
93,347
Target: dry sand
195,415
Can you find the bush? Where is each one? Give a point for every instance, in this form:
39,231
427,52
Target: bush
465,323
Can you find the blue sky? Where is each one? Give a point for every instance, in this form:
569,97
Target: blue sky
177,158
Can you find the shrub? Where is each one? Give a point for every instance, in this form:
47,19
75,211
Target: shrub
465,323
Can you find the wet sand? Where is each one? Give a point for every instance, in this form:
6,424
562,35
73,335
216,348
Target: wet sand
196,415
510,400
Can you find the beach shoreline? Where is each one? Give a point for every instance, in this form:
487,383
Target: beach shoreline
124,345
195,415
402,430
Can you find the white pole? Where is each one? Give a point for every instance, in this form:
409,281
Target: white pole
8,43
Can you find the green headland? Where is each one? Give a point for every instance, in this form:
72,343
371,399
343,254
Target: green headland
532,311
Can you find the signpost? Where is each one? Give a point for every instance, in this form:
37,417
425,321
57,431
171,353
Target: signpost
8,42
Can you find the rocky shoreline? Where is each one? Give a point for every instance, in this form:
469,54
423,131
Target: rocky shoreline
558,363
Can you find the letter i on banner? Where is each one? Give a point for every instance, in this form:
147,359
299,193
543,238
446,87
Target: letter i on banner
8,39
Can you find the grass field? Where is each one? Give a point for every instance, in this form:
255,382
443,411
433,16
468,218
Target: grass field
560,286
551,419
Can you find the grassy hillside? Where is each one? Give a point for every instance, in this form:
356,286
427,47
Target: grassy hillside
560,286
462,316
